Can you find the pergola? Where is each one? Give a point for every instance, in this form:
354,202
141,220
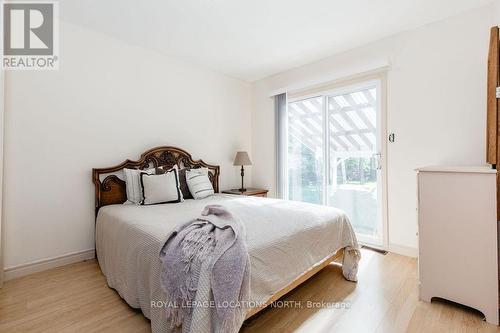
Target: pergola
351,125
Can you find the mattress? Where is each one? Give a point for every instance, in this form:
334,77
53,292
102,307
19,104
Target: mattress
284,239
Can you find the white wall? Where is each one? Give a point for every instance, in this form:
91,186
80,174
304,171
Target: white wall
496,12
436,99
109,101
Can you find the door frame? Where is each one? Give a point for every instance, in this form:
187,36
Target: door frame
2,104
380,81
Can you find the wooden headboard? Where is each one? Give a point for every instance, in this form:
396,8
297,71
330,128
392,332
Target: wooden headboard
110,188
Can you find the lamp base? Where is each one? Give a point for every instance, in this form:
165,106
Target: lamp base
242,188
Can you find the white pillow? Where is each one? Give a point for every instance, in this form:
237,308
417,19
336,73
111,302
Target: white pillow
133,184
164,188
198,183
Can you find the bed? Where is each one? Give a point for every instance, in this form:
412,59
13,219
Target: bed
288,242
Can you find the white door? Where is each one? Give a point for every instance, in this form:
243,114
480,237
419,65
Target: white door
334,155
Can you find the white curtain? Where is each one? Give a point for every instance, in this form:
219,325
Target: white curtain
280,114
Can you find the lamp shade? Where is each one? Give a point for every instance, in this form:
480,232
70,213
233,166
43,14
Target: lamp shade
242,158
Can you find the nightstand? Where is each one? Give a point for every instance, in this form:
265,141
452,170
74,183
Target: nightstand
252,192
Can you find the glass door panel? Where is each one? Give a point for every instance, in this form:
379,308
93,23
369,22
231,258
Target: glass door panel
353,162
305,161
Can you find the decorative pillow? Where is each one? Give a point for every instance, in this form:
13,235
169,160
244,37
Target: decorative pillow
163,188
133,184
182,181
198,183
183,184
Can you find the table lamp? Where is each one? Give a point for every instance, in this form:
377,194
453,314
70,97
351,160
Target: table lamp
242,159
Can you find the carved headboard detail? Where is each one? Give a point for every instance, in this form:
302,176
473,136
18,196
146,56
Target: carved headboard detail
110,189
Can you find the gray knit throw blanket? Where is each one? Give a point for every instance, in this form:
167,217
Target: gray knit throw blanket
206,273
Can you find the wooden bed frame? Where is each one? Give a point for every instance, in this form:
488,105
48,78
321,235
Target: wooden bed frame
110,190
337,256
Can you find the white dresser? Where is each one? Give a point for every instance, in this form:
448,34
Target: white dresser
458,253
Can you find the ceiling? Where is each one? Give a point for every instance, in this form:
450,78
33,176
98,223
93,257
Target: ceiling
253,39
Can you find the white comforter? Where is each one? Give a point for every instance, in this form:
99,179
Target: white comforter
284,239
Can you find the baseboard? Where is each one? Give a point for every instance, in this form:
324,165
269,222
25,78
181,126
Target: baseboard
42,265
404,250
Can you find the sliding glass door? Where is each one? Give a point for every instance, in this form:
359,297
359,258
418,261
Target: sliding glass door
334,154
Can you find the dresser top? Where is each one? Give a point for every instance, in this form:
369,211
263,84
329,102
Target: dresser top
460,169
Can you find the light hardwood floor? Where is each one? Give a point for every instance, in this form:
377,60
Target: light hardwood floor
75,298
